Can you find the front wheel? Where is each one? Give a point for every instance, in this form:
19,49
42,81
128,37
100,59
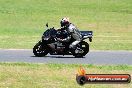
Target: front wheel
81,49
39,50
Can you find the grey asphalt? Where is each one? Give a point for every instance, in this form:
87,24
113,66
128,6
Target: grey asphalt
93,57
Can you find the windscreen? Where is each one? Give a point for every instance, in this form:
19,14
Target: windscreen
50,33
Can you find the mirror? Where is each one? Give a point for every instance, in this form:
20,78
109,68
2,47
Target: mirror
46,24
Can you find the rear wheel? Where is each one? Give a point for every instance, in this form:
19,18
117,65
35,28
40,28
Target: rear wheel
81,49
40,50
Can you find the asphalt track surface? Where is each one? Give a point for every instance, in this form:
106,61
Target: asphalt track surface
93,57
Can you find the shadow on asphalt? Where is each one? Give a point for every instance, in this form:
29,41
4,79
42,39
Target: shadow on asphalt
57,57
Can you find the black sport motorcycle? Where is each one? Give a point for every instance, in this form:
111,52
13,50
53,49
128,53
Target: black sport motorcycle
49,44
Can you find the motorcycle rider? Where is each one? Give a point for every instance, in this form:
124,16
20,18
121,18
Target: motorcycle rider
74,33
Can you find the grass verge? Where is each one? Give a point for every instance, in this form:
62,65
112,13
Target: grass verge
26,75
22,21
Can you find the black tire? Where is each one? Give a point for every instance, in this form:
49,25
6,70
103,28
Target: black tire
40,50
85,49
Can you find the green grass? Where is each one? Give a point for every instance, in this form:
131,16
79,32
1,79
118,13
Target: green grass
25,75
22,21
